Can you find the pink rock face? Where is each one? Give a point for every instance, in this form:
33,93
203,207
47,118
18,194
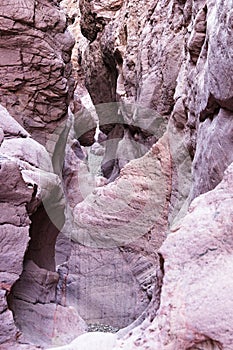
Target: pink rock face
110,273
27,277
35,64
121,65
136,54
132,211
214,152
136,200
14,231
205,90
203,252
196,302
154,64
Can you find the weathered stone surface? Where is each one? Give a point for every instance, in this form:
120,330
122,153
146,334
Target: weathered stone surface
197,284
103,286
104,80
50,324
114,284
81,106
130,200
27,287
127,60
42,289
29,151
35,64
9,125
16,237
214,152
198,34
122,145
135,55
139,52
126,44
205,87
14,229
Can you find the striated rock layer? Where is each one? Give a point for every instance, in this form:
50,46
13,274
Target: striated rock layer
127,218
36,86
197,284
195,301
137,181
111,271
28,235
35,65
171,57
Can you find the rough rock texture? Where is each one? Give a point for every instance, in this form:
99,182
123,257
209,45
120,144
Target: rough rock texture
160,77
14,229
36,87
132,126
35,65
136,201
174,58
214,151
196,294
28,185
114,284
84,120
210,96
195,301
128,60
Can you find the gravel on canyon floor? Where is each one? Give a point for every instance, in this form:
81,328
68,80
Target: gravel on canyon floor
99,327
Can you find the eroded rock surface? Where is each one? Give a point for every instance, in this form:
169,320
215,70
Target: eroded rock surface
192,312
35,65
168,58
205,92
110,274
128,60
28,235
132,125
160,77
14,229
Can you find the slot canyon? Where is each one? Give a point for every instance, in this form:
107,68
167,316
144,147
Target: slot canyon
116,174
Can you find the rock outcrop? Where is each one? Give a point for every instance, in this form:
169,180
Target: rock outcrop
36,86
134,57
35,67
135,227
114,203
115,256
28,235
163,58
197,279
195,300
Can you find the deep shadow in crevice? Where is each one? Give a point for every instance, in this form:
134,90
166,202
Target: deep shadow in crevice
43,235
156,298
208,344
34,293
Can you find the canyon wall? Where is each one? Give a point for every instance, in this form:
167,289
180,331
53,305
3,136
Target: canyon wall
35,65
115,208
36,86
117,227
172,59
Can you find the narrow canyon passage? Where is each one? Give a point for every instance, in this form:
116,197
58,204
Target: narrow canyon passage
116,124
